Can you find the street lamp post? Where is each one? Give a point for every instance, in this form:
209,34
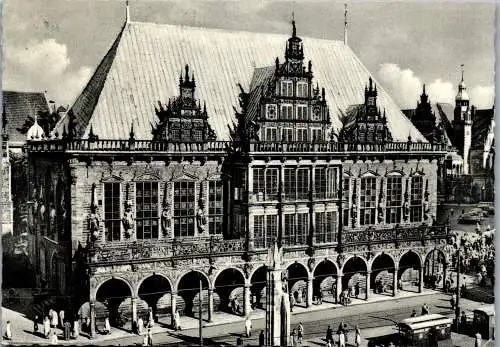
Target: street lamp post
457,305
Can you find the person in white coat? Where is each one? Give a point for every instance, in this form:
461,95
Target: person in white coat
248,327
107,326
54,319
341,339
177,321
151,321
357,338
61,318
140,326
76,329
46,327
8,331
53,338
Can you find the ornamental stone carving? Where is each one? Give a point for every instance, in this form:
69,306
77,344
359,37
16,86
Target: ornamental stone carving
128,219
310,264
201,217
166,220
340,259
94,223
247,268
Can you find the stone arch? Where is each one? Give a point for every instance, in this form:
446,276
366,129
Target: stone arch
297,277
229,285
188,289
382,269
258,286
354,274
410,264
435,269
113,292
155,289
325,275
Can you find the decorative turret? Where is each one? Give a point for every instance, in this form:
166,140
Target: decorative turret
35,132
294,47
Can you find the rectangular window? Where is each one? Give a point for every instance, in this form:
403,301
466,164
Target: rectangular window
198,134
112,218
259,181
331,183
302,112
368,201
287,135
316,134
184,207
259,232
301,134
271,184
394,199
302,184
286,112
289,184
302,229
320,182
271,229
289,235
326,227
215,212
302,89
146,200
286,88
271,134
416,199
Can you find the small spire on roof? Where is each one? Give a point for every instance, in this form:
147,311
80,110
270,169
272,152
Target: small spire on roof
462,67
294,30
345,23
127,12
187,73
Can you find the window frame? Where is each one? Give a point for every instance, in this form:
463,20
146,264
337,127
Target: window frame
302,135
288,115
288,137
302,89
116,221
286,88
302,183
185,221
315,131
368,207
215,216
416,199
154,234
271,132
394,201
302,115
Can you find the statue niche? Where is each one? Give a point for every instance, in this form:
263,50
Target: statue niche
166,220
128,219
201,217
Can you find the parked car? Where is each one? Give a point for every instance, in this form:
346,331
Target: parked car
487,207
470,218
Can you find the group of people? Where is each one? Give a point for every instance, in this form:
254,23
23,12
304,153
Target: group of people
140,326
342,332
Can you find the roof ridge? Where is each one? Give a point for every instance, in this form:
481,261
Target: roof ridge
234,31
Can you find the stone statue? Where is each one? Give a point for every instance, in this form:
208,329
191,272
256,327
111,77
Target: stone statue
406,210
94,222
354,213
380,211
128,219
276,254
201,217
166,220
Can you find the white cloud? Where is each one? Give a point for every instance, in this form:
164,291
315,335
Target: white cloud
403,86
482,96
441,91
43,65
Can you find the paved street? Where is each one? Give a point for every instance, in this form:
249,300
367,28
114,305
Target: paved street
370,317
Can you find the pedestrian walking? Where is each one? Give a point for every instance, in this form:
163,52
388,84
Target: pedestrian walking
150,338
261,338
35,324
76,329
300,332
177,321
54,319
140,326
425,309
8,331
107,326
248,327
320,297
328,344
414,313
46,327
341,339
357,338
356,290
294,337
151,321
453,300
53,338
329,334
292,302
145,340
61,318
478,341
67,330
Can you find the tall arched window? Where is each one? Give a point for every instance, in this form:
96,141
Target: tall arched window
416,198
368,200
394,199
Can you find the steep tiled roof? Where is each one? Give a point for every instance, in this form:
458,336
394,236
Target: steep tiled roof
143,67
261,78
19,106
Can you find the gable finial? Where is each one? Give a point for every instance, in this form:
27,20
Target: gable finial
294,29
187,73
127,12
462,67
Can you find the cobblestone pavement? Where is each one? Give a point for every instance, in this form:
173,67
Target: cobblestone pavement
372,318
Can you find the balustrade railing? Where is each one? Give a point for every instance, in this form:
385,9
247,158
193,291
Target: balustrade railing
391,235
158,249
56,145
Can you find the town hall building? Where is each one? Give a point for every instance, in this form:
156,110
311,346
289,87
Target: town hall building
191,151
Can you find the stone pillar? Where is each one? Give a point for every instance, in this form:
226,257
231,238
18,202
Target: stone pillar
210,303
92,319
395,282
134,309
445,273
339,288
247,305
173,308
420,279
309,298
368,276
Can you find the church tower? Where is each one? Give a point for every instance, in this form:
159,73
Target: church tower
462,123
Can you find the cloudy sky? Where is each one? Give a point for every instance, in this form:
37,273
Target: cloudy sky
55,45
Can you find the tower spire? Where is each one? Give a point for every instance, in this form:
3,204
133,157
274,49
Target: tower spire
127,12
345,23
294,30
462,67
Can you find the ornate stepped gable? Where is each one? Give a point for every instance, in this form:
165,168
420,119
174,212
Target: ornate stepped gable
365,123
424,120
183,120
282,104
